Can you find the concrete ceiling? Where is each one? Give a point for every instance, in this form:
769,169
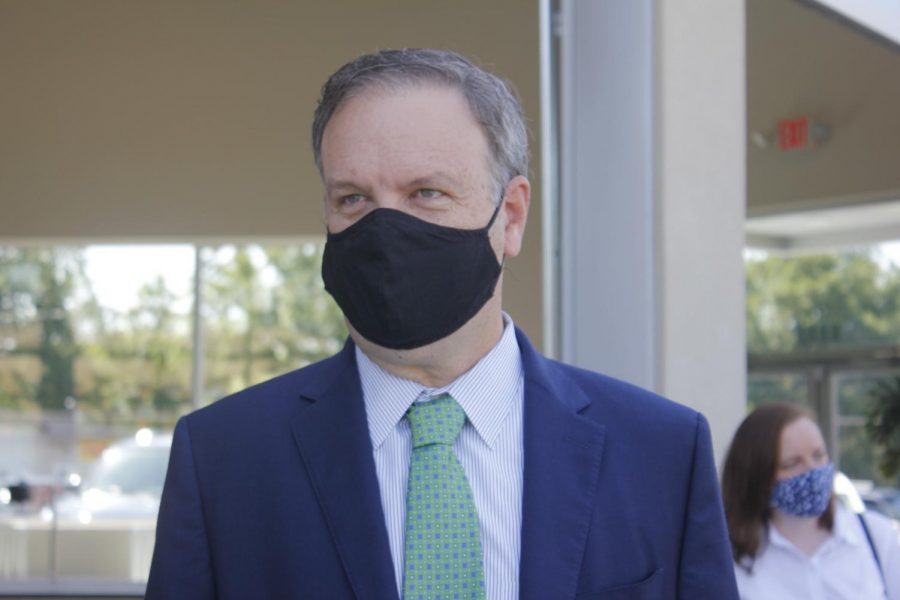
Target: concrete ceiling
129,111
803,60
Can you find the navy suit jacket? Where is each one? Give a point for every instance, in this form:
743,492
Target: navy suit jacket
272,493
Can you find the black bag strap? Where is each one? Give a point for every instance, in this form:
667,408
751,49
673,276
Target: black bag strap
865,528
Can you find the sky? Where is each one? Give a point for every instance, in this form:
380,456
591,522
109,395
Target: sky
891,252
118,271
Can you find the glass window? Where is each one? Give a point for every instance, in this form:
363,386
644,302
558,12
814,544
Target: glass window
265,312
858,456
97,362
778,386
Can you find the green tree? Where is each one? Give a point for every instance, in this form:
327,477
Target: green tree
57,349
884,424
162,350
36,293
815,302
265,311
269,313
311,326
241,299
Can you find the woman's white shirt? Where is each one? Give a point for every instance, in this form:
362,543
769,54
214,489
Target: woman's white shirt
843,568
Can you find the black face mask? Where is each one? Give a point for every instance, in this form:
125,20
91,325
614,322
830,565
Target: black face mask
403,282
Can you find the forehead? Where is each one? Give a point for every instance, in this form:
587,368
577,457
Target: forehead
801,435
408,127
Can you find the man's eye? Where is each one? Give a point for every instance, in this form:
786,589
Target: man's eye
428,194
351,199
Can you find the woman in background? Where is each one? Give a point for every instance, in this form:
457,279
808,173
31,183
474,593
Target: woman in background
790,538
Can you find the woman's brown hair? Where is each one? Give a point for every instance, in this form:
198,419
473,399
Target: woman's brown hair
749,475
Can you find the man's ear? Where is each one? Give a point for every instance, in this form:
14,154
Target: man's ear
515,209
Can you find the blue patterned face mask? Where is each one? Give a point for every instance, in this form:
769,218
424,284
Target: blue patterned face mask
807,494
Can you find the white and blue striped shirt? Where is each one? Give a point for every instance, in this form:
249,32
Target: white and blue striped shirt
489,449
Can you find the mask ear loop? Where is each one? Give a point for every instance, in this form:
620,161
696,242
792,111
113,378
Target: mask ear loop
491,222
496,210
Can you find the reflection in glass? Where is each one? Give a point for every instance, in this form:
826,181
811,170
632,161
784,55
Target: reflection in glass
96,367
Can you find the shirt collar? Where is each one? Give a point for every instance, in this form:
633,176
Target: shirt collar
485,392
843,529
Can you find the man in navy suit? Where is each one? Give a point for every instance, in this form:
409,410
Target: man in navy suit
583,486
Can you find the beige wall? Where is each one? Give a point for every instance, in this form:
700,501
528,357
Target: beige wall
178,119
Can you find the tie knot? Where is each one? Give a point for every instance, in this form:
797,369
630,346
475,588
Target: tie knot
437,421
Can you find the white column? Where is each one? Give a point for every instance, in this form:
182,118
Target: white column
653,194
701,172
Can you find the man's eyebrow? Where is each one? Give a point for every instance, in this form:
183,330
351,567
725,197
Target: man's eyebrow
337,185
435,179
440,178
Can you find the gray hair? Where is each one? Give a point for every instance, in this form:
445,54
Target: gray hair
493,101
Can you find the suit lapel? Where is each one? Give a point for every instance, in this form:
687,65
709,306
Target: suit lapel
563,452
332,435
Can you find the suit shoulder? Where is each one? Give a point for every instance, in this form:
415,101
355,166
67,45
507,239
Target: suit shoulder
612,399
276,395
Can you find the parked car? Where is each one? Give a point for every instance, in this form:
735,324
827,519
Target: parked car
104,529
859,495
885,500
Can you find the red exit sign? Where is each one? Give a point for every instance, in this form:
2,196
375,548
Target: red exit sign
793,133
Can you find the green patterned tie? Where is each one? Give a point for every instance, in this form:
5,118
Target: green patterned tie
443,541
